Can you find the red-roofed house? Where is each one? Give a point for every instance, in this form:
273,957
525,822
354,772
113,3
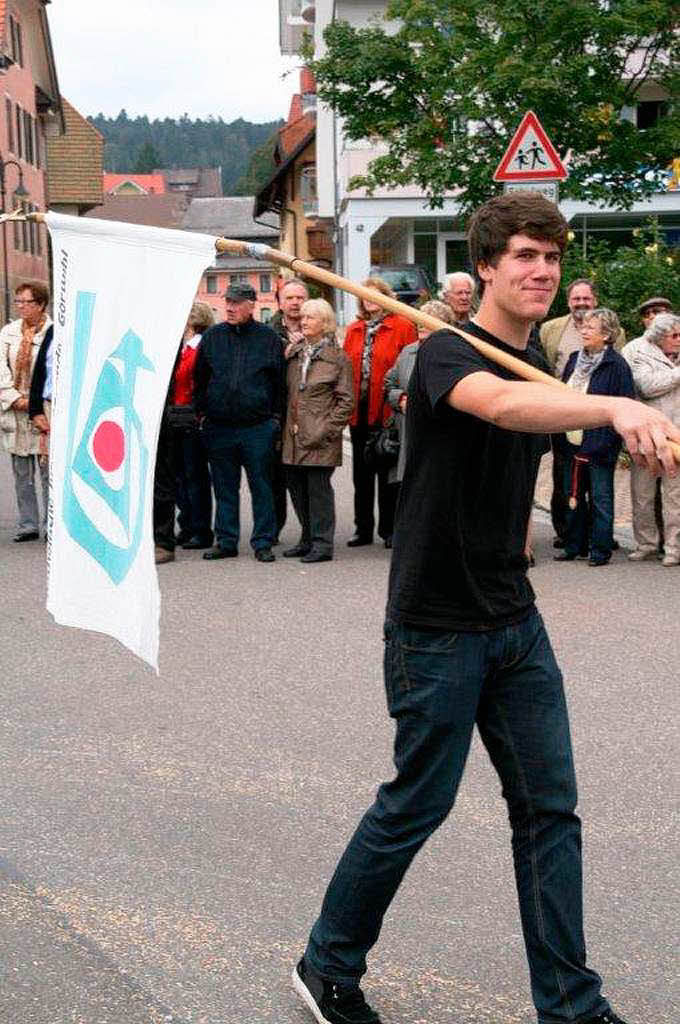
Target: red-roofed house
134,184
30,111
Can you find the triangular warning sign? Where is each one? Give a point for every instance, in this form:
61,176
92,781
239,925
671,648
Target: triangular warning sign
531,155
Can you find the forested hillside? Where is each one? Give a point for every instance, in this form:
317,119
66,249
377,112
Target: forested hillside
138,144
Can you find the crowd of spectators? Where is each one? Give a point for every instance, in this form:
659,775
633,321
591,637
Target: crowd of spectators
274,400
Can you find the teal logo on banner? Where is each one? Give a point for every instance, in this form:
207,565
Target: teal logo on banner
108,455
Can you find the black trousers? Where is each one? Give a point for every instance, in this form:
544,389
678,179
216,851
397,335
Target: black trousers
164,489
313,499
279,478
192,477
559,502
364,479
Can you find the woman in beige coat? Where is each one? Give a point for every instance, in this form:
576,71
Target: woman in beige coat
20,342
320,403
656,375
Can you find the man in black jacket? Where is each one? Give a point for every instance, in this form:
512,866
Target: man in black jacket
238,394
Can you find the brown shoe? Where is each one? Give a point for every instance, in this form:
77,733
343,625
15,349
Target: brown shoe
163,555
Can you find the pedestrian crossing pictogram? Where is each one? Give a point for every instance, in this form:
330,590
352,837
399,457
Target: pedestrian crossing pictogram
531,155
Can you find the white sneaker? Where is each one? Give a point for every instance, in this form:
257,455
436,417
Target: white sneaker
640,554
670,560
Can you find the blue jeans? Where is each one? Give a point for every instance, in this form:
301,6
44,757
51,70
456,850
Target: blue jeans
591,524
438,686
229,449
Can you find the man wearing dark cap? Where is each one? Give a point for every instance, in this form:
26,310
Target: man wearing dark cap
238,393
647,310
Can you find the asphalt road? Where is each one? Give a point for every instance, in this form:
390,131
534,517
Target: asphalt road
165,841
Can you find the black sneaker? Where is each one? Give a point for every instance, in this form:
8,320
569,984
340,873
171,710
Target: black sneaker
608,1017
330,1002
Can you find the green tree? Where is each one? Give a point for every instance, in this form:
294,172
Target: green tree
260,168
183,143
444,85
147,159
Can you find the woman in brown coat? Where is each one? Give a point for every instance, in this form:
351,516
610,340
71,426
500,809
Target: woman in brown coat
320,403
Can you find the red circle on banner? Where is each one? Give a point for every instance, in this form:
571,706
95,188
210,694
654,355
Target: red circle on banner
108,446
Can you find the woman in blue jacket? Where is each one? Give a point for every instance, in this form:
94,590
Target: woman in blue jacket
595,369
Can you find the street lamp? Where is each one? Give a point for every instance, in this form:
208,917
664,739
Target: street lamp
20,192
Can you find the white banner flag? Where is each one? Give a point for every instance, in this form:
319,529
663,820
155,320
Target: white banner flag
122,295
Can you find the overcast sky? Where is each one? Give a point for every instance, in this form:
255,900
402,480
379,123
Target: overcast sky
167,57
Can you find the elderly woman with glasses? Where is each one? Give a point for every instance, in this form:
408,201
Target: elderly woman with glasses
655,366
594,369
20,342
320,403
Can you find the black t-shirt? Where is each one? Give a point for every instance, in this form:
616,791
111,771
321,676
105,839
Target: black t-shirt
458,561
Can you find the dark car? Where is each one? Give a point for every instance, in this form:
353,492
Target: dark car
408,281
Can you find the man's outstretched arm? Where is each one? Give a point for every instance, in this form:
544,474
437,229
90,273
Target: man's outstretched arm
540,408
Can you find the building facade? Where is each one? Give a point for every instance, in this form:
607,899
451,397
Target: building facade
30,113
291,192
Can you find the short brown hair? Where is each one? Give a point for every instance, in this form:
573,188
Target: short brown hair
380,286
40,293
514,213
582,280
292,280
201,317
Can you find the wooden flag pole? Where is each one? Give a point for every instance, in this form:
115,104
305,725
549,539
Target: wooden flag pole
302,269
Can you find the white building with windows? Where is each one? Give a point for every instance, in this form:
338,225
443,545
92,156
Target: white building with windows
397,225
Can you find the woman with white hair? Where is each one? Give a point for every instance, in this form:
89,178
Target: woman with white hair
656,374
591,455
320,403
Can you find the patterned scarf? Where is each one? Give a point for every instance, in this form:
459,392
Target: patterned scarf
24,360
586,364
308,354
366,356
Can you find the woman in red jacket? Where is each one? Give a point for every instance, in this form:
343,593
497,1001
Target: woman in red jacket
373,342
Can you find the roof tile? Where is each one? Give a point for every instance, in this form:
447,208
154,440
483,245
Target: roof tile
74,161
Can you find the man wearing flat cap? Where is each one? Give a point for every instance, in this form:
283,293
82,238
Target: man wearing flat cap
647,310
239,397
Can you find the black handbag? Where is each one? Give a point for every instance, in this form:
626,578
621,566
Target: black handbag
182,417
381,450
